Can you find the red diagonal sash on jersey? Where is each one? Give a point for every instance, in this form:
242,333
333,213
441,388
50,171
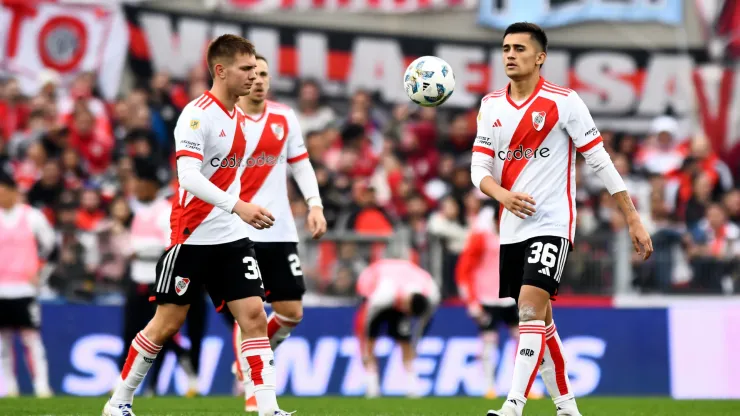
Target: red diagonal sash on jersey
527,136
185,219
270,144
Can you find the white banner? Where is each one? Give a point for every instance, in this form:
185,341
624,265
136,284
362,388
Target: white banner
356,6
65,38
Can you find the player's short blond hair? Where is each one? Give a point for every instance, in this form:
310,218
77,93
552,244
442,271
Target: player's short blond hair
225,48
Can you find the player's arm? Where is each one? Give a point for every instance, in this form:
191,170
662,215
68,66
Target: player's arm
305,177
44,233
190,134
481,170
587,139
469,258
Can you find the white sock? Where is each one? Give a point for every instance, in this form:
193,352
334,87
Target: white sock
554,368
248,388
141,355
261,362
7,361
373,384
487,361
530,351
36,361
279,327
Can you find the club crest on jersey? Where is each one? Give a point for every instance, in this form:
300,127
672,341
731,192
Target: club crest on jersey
538,119
194,124
277,130
181,285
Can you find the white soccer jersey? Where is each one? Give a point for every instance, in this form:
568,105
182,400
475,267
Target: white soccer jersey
274,141
205,130
532,146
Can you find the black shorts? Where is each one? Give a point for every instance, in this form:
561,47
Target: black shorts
281,270
495,315
396,323
21,313
537,262
227,271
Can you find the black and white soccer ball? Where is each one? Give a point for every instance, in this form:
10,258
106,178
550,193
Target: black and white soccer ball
429,81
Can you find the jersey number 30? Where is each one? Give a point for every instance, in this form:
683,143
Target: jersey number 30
545,253
253,269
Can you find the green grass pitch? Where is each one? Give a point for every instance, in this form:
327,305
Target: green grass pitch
335,406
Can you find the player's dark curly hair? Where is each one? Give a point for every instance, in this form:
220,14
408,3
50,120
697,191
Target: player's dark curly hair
225,48
525,27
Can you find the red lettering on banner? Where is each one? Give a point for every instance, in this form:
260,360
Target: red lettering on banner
715,126
21,12
288,61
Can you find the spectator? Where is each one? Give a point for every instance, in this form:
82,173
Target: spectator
715,251
311,113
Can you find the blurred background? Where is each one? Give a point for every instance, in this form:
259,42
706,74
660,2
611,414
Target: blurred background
86,87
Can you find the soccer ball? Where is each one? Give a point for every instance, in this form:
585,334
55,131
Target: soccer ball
429,81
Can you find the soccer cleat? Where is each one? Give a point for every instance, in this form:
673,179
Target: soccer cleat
281,413
250,404
120,410
44,394
536,395
565,411
490,393
505,411
510,408
12,392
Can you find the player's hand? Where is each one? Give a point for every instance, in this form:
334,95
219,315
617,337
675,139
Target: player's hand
518,203
254,215
316,222
640,239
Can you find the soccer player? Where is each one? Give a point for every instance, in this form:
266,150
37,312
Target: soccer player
25,235
278,143
478,283
394,292
209,244
524,158
150,237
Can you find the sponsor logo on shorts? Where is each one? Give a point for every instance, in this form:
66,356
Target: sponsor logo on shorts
181,285
526,352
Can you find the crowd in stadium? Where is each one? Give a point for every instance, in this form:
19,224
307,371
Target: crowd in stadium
379,168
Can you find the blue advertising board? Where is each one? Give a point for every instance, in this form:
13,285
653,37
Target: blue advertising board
609,352
498,14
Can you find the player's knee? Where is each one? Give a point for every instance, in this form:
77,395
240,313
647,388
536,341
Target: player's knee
252,319
527,313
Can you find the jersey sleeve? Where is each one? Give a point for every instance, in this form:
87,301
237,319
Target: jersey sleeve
190,133
484,136
43,231
296,146
580,125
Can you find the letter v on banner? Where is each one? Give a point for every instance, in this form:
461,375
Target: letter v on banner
715,125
